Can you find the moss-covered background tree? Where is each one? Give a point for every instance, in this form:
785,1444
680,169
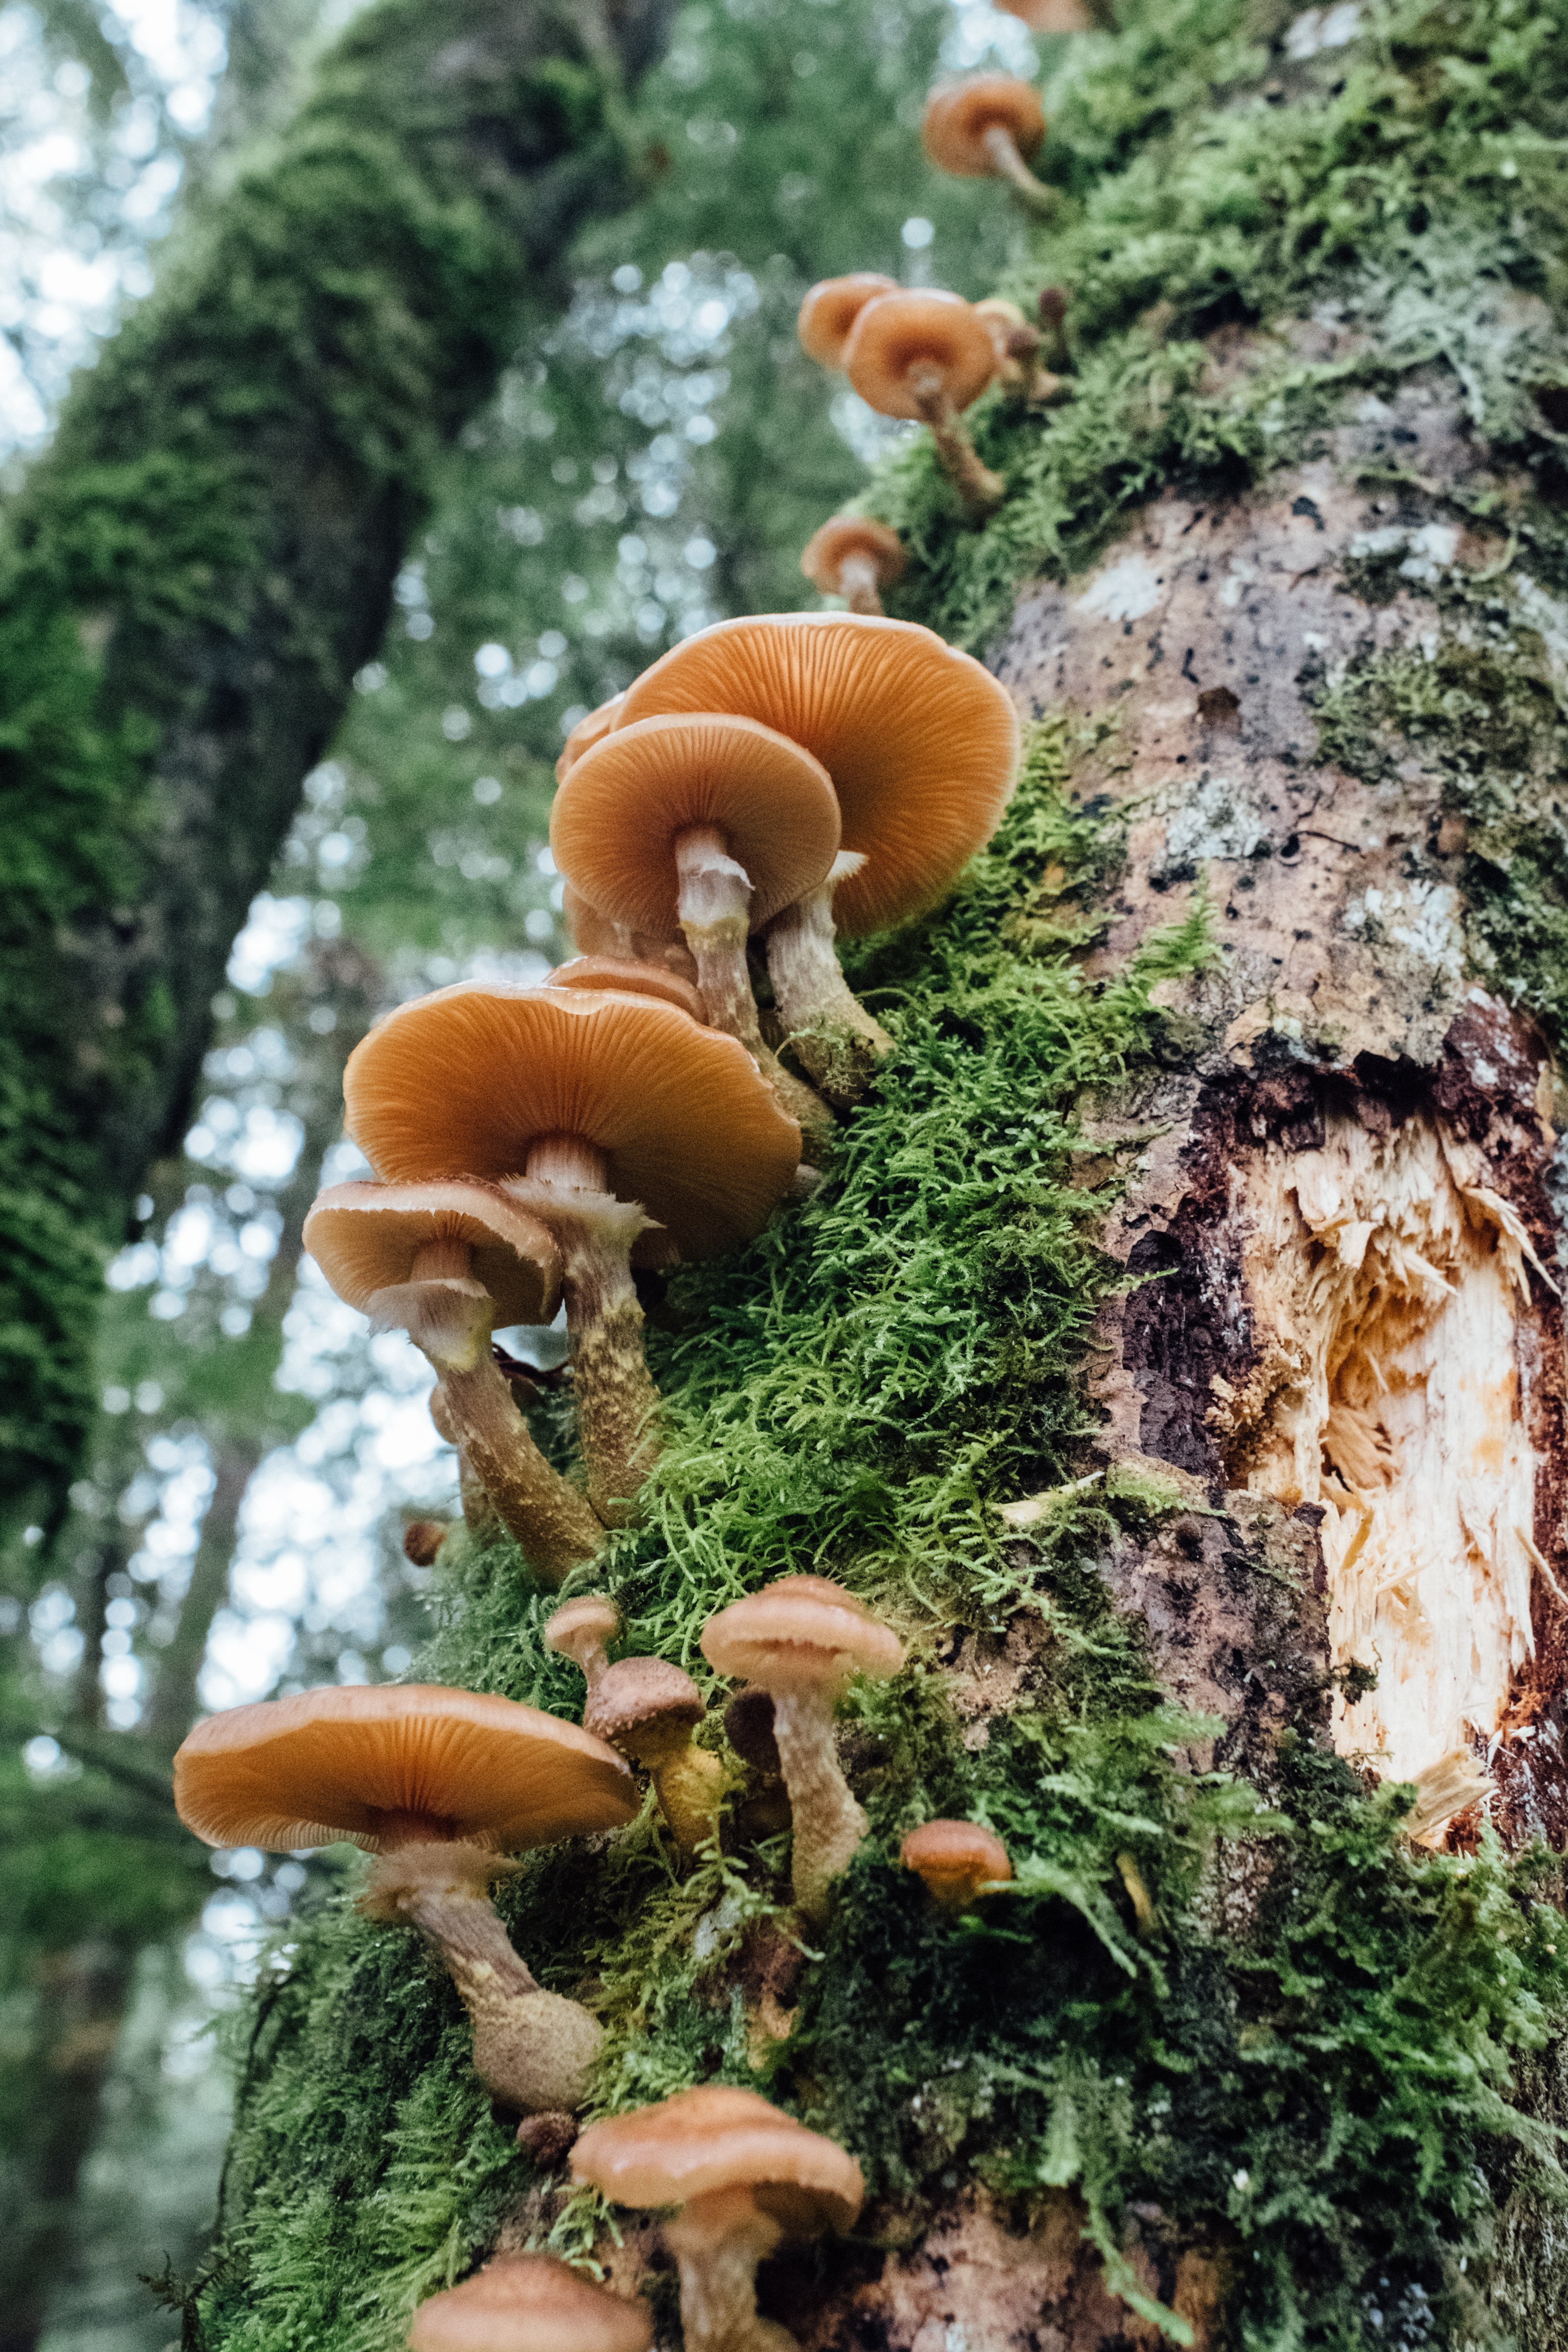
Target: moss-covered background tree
1206,1220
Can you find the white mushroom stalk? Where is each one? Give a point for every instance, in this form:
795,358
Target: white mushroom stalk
718,2241
714,907
828,1027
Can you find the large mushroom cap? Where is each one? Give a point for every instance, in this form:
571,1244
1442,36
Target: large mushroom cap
619,814
798,1632
901,333
365,1238
529,2302
831,310
472,1077
845,535
628,977
957,119
586,732
363,1762
718,2137
920,741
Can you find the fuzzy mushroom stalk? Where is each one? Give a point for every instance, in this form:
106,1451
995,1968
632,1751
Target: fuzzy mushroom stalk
714,904
980,488
647,1709
830,1029
927,355
718,2242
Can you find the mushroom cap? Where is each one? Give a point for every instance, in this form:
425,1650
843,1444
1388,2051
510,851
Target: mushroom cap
720,2137
338,1762
958,117
640,1695
474,1075
582,1623
365,1237
800,1633
952,1856
530,2302
931,329
630,977
587,730
844,535
831,308
1049,15
920,741
619,814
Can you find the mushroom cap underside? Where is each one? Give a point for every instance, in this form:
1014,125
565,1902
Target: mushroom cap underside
594,1617
900,334
587,730
718,2136
798,1633
476,1073
366,1237
627,976
620,813
530,2302
957,118
922,742
337,1762
830,308
845,535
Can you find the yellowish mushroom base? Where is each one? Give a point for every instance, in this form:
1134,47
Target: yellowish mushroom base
718,2241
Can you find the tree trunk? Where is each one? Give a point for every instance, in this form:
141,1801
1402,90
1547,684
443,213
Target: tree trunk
205,557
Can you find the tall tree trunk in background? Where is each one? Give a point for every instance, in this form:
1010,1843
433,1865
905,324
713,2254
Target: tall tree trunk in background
193,573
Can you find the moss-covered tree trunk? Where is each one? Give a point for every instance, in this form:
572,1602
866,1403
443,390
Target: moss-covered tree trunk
191,576
1174,1352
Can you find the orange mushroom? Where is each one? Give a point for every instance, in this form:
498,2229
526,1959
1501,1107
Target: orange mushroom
587,730
921,743
745,2177
580,1630
630,977
530,2302
617,1122
715,822
831,310
440,1785
445,1262
648,1709
957,1860
983,127
854,557
1062,16
927,355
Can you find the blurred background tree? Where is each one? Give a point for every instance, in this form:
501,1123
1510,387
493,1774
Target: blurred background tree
653,461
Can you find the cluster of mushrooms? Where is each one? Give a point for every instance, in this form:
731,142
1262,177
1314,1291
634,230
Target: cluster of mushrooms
770,785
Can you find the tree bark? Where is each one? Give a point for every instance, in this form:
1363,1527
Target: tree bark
193,573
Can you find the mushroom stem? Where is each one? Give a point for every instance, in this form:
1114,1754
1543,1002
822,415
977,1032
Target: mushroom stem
977,486
1002,150
714,910
532,2048
616,1398
828,1824
718,2241
449,1316
829,1028
858,585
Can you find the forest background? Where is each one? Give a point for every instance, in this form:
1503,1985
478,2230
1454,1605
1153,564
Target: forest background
655,459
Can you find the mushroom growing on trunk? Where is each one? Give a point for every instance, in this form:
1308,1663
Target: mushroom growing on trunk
921,743
957,1861
927,355
440,1785
831,308
855,557
745,2178
445,1262
630,976
802,1638
580,1630
982,128
530,2302
648,1709
629,1132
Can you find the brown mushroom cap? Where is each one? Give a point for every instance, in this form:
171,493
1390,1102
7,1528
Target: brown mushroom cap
587,730
845,535
366,1761
642,1700
582,1624
955,1858
618,817
831,310
920,741
718,2137
473,1075
1049,15
628,978
798,1633
529,2302
957,119
900,332
365,1238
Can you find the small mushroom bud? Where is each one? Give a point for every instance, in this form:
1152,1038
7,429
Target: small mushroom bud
927,355
957,1860
982,128
529,2302
647,1710
422,1539
854,557
579,1630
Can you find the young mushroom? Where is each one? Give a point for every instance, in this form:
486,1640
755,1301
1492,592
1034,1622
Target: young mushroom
957,1861
982,128
582,1630
648,1710
587,730
628,1132
921,743
440,1785
445,1262
802,1638
831,310
1062,16
530,2302
854,557
745,2177
632,977
422,1539
927,355
710,822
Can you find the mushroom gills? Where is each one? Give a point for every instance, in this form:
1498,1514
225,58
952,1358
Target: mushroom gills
829,1028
